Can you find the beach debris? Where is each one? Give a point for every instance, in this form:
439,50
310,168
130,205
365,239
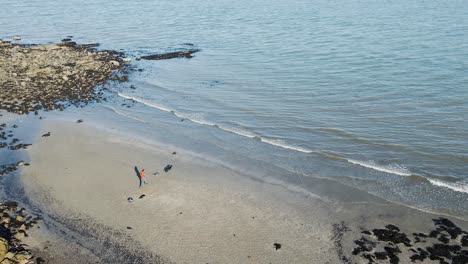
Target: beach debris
167,168
130,199
173,153
277,246
170,55
141,196
129,227
79,121
46,134
156,173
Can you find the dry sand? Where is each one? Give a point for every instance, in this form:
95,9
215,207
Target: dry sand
196,213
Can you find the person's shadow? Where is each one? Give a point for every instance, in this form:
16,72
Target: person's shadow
137,172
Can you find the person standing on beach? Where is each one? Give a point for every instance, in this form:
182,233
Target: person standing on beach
142,178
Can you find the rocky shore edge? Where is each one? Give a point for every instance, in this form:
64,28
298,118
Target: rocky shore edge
48,77
35,78
14,225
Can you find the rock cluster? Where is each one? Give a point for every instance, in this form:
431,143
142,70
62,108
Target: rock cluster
14,225
8,141
180,54
447,243
48,77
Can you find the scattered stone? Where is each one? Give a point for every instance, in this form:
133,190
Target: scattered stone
129,227
126,59
141,196
19,164
79,121
156,173
130,199
17,38
46,134
167,168
173,153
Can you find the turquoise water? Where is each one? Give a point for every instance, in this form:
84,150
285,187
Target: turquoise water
372,94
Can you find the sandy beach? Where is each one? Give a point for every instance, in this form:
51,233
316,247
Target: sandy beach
198,212
195,213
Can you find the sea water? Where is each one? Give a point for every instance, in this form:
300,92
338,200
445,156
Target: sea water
372,94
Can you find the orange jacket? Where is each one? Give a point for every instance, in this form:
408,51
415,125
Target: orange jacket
142,174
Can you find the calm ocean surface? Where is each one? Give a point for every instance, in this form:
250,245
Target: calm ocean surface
373,94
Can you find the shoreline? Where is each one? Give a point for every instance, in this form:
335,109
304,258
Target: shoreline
79,179
197,183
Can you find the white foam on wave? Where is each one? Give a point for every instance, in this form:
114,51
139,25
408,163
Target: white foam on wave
458,187
201,121
393,169
282,144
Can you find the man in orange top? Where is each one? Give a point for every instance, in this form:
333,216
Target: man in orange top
142,178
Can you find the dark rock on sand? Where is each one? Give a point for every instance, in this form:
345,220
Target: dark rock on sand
171,55
167,168
141,196
392,234
79,121
46,134
443,244
277,246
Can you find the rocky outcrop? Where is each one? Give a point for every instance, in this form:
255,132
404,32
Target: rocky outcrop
48,77
171,55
